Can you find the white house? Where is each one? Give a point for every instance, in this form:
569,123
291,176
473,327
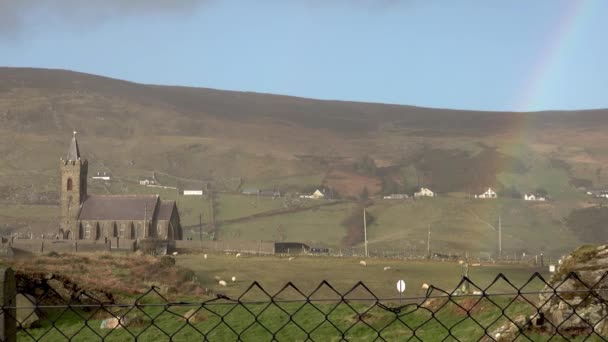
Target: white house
147,182
532,197
424,192
488,194
315,195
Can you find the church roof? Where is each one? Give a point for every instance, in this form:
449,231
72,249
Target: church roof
118,207
73,150
166,210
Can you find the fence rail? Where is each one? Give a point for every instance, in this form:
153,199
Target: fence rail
539,310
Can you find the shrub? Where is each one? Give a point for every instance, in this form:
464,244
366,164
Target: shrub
167,261
184,275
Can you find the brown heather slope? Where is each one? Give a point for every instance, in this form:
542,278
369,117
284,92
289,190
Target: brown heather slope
195,134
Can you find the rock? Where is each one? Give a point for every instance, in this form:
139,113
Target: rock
573,310
26,314
113,323
509,331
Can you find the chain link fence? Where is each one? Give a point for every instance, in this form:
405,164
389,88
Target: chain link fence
539,310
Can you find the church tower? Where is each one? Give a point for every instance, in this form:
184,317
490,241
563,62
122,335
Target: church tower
74,172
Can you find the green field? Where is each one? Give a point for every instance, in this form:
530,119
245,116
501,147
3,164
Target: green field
343,273
256,320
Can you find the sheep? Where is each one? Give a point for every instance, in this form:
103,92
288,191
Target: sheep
217,278
425,286
238,255
233,279
477,293
205,256
386,268
174,253
362,263
222,282
291,258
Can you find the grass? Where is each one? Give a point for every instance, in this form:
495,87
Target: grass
294,322
319,226
325,317
467,225
232,206
343,273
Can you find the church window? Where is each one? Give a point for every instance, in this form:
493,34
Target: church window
87,231
159,230
69,187
121,232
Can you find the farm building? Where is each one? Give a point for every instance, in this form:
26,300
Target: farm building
315,195
396,196
102,176
290,248
424,192
533,197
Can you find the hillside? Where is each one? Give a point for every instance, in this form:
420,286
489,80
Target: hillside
192,135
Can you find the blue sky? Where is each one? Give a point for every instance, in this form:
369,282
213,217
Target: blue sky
485,55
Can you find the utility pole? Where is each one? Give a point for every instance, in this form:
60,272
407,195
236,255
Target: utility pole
428,243
499,238
365,231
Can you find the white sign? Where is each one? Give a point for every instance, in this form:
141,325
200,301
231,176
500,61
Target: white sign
552,268
401,286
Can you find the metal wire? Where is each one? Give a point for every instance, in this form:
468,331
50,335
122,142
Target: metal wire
467,313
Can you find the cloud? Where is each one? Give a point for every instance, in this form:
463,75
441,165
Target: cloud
20,16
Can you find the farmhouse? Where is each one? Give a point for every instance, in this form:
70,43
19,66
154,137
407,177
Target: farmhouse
533,197
95,217
488,194
424,192
315,195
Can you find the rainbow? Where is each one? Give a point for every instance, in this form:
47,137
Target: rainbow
552,53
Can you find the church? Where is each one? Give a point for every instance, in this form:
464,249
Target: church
98,217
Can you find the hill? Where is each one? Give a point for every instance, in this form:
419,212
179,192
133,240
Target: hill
189,136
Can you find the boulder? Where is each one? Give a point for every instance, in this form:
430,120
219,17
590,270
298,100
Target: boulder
580,306
26,312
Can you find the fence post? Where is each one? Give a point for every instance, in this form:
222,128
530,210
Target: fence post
8,298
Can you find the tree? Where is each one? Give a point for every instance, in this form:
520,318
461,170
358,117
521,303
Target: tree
366,165
364,196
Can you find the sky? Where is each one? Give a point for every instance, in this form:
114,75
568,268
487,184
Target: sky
516,55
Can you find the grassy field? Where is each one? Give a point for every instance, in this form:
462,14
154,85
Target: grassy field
343,273
469,225
319,226
325,317
292,322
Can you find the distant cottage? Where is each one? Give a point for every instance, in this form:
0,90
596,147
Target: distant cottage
315,195
533,197
488,194
424,192
94,217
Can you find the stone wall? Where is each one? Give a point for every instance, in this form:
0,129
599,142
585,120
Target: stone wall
44,246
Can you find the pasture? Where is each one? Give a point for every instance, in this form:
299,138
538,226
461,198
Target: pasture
307,272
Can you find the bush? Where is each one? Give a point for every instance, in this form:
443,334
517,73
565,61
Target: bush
167,261
185,275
